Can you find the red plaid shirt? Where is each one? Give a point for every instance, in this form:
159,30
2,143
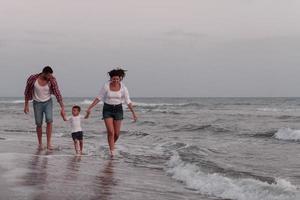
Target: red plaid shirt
52,85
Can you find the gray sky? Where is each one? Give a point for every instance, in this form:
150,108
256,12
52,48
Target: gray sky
169,47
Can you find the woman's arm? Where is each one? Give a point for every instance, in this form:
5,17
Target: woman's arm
132,111
129,103
101,95
95,102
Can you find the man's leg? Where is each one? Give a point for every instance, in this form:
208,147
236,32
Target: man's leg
49,134
39,132
49,119
38,116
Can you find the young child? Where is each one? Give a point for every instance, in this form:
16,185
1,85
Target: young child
77,134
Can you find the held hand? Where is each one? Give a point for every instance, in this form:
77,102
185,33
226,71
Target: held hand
88,112
63,116
26,109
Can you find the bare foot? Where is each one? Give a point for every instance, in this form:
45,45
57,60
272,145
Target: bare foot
111,154
50,147
41,147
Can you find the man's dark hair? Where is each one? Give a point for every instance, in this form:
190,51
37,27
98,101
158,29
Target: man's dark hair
47,70
117,72
76,107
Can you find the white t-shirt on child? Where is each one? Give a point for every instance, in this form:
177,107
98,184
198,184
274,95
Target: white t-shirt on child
75,122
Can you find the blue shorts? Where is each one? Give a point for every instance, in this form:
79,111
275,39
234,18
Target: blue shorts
41,108
112,111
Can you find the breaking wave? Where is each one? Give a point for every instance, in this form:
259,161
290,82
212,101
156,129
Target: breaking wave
287,134
218,185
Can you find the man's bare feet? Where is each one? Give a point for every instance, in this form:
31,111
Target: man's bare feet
111,154
78,152
41,147
50,147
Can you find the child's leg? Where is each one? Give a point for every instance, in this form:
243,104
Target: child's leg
76,145
81,145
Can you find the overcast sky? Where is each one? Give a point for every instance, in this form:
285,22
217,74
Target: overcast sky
174,48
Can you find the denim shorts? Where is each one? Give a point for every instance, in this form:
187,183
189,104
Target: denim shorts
41,108
112,111
77,135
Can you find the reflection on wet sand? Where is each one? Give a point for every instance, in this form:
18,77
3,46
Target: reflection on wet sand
38,175
105,182
38,170
73,168
51,176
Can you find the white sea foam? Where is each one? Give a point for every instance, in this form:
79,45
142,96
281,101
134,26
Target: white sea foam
151,104
18,101
13,102
220,186
287,134
60,134
86,102
268,109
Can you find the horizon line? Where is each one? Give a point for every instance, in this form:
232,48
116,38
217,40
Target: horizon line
175,97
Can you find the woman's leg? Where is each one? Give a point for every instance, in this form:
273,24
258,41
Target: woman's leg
117,128
110,133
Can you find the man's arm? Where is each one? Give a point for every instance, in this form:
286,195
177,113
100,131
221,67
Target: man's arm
26,106
57,94
28,92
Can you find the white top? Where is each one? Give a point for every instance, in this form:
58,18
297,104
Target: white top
75,122
41,93
114,97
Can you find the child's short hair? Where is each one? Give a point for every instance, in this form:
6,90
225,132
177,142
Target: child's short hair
76,107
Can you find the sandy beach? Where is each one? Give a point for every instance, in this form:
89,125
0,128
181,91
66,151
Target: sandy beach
28,173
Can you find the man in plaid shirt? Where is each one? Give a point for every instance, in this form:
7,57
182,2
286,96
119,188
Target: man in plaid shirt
39,88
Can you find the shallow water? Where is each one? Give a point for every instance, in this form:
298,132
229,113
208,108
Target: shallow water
181,148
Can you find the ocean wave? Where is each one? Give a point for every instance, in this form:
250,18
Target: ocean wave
214,128
140,104
266,134
13,102
217,185
190,105
288,117
18,131
60,134
191,127
169,112
86,102
268,109
147,123
157,105
287,134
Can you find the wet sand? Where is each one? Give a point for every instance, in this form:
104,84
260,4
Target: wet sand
28,173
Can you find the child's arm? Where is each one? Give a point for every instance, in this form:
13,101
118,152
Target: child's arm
87,115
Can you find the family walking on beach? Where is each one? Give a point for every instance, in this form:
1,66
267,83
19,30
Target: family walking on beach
41,86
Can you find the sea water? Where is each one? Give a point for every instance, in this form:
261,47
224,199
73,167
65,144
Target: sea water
180,148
